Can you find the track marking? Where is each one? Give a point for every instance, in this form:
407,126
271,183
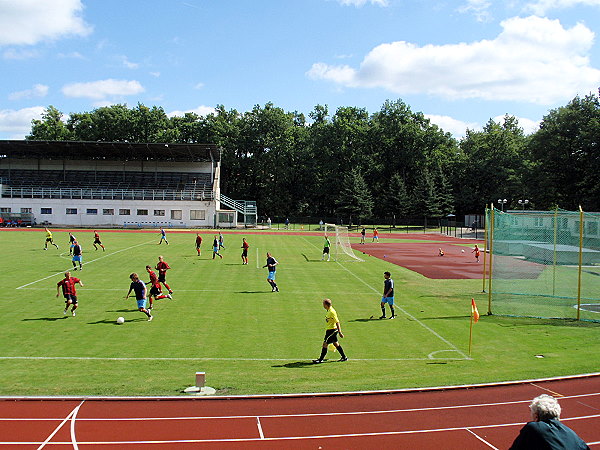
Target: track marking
73,418
43,444
260,430
410,316
89,262
482,440
556,394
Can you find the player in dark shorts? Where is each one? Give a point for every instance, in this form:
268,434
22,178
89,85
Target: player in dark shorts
77,255
163,236
271,266
69,291
155,289
332,330
198,244
139,287
49,239
245,247
388,295
162,268
363,233
97,241
216,248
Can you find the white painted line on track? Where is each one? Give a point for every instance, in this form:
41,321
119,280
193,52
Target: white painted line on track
43,444
406,313
260,430
73,418
482,440
85,264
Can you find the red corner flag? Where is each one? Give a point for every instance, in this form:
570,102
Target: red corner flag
474,310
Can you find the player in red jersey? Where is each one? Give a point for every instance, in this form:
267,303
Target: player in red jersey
69,291
198,244
162,268
98,241
245,247
155,290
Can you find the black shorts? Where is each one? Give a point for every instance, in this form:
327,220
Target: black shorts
325,250
244,253
97,241
155,291
70,298
331,336
161,277
48,239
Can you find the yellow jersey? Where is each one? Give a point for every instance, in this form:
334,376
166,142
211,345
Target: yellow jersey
331,319
48,235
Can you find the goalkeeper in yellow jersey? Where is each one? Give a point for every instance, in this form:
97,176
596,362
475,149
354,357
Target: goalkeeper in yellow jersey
49,239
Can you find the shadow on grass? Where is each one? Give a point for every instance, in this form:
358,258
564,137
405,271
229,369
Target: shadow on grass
297,365
49,319
310,260
251,292
114,322
122,310
368,319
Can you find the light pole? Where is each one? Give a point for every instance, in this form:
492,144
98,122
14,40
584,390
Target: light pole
523,203
502,202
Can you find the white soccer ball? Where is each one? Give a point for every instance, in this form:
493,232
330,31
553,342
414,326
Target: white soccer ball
121,320
463,250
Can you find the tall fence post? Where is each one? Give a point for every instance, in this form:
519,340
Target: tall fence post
492,215
580,260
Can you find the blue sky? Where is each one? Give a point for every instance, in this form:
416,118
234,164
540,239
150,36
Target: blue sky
459,62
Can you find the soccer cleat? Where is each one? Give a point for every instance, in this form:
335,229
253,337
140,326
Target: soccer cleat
383,317
45,249
74,268
73,313
345,358
150,318
276,289
169,296
317,361
65,312
170,292
393,317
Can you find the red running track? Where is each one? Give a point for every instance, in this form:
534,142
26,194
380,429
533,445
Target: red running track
477,417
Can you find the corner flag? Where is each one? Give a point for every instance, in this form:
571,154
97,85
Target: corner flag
474,311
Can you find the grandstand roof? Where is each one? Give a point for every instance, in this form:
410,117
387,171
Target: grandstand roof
122,151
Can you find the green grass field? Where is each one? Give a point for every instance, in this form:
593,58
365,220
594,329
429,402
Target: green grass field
225,321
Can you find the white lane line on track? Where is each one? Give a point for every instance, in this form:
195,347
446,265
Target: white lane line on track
73,419
294,438
406,313
481,439
43,444
328,414
89,262
260,430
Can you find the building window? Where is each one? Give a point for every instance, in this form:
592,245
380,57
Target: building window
46,211
71,211
176,214
159,212
91,211
198,214
26,210
563,223
142,212
124,212
592,227
5,210
538,221
108,212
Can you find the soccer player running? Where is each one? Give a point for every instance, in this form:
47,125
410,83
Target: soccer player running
326,246
271,266
388,295
77,255
155,289
97,241
139,287
162,268
49,239
375,235
69,291
163,236
477,253
245,247
198,244
72,239
216,248
332,330
221,241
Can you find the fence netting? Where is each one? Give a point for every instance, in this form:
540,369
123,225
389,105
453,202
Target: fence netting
544,263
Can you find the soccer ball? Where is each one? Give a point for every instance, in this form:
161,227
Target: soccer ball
121,320
463,250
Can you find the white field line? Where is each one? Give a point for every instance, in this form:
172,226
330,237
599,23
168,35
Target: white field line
410,316
189,290
108,358
293,438
89,262
326,414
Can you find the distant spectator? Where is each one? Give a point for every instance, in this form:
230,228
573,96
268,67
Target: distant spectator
546,431
287,223
269,222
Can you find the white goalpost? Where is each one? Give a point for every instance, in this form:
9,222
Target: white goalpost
340,243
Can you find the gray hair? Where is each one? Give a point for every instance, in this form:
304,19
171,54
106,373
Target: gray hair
545,407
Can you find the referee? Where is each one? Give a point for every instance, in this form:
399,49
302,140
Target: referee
332,329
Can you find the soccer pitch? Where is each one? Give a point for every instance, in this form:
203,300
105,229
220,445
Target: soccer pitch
225,321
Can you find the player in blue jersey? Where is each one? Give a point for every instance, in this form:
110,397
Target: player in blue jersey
139,287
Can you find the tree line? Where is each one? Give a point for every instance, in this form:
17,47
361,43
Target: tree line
355,165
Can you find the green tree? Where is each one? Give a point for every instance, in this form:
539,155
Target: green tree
50,127
354,200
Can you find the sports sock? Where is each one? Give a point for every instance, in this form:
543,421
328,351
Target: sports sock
392,310
341,350
323,353
383,310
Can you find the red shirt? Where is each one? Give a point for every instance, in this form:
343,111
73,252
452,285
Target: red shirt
154,280
68,285
162,267
245,245
96,236
198,240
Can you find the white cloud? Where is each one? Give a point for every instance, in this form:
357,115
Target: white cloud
359,3
200,110
38,90
129,64
28,22
18,122
529,126
20,54
541,7
73,55
453,126
155,74
199,86
533,60
103,90
479,8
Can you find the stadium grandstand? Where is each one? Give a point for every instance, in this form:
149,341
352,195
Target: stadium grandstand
70,183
